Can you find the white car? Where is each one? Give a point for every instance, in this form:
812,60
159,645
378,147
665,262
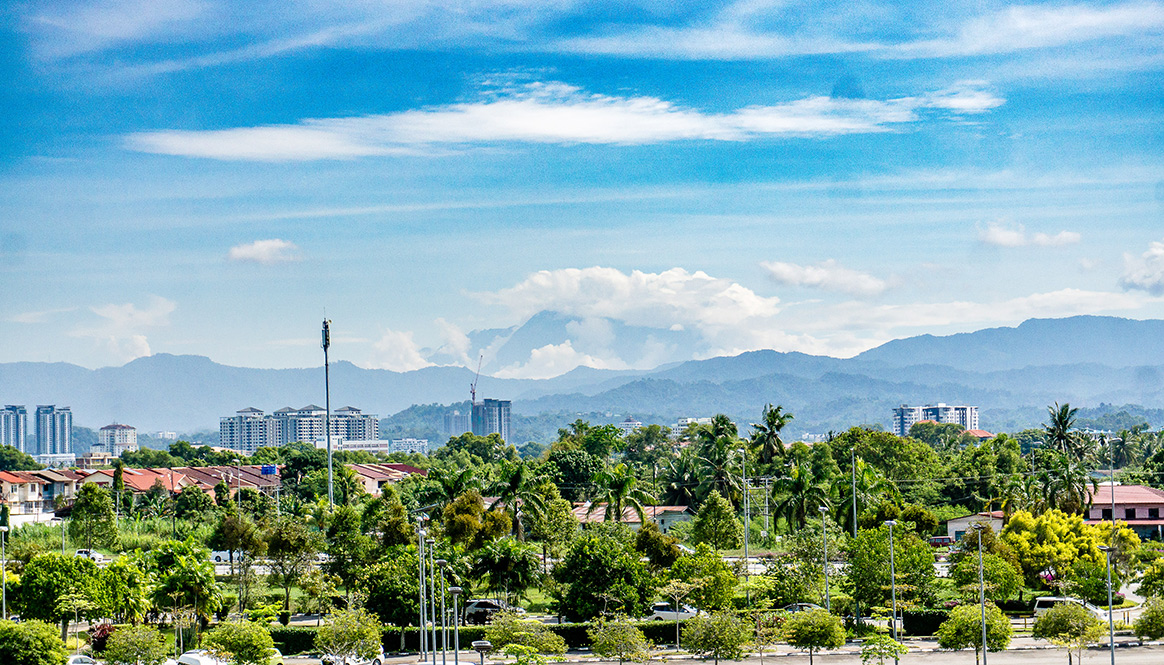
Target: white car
378,659
223,556
92,555
1044,603
80,660
199,657
664,611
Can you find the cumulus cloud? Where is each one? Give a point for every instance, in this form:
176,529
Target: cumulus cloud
828,275
1145,273
656,300
998,235
398,352
265,252
121,326
556,113
554,360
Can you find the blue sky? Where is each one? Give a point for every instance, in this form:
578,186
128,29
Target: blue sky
209,177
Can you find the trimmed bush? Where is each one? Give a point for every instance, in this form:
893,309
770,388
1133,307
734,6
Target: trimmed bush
922,622
293,640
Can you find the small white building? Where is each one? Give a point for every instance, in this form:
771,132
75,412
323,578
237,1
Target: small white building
958,526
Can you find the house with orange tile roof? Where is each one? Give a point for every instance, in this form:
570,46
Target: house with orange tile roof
22,491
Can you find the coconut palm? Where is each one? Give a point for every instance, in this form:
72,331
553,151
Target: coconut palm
1070,486
719,470
1057,431
681,479
617,489
516,490
766,435
799,496
445,485
870,484
508,566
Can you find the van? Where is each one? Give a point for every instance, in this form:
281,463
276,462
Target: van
1044,603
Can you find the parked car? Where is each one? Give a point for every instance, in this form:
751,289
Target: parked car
80,659
378,659
1044,603
223,556
480,610
941,541
199,657
665,611
92,555
800,607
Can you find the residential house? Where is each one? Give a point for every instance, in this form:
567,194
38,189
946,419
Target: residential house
22,491
958,526
1139,506
664,517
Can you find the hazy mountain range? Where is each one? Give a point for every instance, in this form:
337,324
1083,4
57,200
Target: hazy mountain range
1012,374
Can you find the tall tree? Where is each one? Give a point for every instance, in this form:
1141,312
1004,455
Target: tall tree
291,548
92,519
516,490
800,496
617,489
508,566
349,551
716,524
1057,431
766,439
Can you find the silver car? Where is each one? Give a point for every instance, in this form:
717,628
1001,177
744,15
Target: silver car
665,611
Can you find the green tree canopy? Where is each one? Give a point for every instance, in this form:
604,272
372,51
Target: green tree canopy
349,635
716,635
135,645
291,549
618,638
869,578
92,521
814,630
716,524
1069,625
11,459
240,643
602,574
714,581
31,643
1001,579
963,629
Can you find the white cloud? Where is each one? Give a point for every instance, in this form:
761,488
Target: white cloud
556,113
62,30
396,351
999,235
454,342
1020,27
265,252
828,275
656,300
121,327
1145,273
554,360
40,316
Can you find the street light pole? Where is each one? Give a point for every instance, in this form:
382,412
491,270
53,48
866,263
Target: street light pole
824,530
892,581
442,565
420,552
1110,620
327,407
456,591
747,527
4,565
978,526
433,593
853,480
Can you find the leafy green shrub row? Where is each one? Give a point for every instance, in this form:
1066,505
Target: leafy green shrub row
293,640
922,622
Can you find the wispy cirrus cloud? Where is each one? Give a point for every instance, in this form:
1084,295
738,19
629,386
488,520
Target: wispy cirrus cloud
995,234
265,252
40,316
556,113
828,275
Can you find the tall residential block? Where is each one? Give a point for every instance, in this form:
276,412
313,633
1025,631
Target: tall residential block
14,427
904,417
456,423
491,416
116,439
54,430
250,429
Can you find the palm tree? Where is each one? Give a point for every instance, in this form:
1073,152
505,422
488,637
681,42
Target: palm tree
1057,433
871,485
617,489
719,459
766,435
509,566
446,485
801,496
516,490
681,479
1071,487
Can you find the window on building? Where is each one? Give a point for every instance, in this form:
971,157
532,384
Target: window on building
1154,513
1106,515
1129,513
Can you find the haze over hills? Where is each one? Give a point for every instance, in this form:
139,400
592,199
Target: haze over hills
1082,360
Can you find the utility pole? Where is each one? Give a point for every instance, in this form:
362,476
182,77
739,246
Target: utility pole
327,413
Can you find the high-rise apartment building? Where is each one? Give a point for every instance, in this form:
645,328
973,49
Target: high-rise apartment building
251,429
904,417
116,439
14,427
54,430
491,416
457,423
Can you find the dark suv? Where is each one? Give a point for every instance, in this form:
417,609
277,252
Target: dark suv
480,610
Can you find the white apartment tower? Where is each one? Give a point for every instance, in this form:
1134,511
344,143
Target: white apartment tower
14,426
116,439
491,416
904,417
251,429
54,430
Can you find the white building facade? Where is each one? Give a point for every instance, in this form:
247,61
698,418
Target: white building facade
14,426
905,416
250,429
116,439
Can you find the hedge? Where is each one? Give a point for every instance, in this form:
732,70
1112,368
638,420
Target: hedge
922,622
293,640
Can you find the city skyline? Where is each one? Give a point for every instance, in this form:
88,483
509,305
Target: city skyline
214,178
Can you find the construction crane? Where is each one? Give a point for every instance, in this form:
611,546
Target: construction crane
473,386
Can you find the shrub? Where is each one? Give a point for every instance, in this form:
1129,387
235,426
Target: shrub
293,640
618,638
510,628
1150,624
814,630
923,622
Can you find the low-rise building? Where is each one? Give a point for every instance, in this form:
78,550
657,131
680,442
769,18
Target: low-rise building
664,517
958,526
22,491
1139,506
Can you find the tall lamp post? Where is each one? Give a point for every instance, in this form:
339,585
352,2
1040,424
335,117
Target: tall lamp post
456,591
892,580
432,581
824,530
1110,619
4,566
420,557
327,405
978,526
442,565
747,526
